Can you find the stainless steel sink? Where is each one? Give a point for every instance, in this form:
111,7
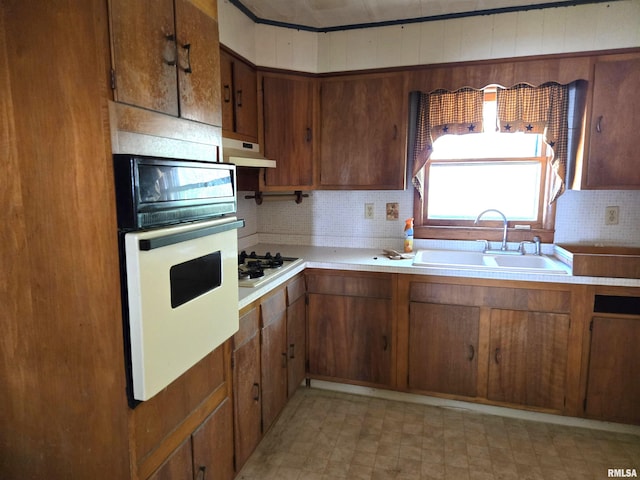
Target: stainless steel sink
462,260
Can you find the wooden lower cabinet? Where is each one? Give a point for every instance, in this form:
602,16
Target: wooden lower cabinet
350,321
268,357
247,386
528,358
443,348
296,334
613,388
494,342
178,466
273,356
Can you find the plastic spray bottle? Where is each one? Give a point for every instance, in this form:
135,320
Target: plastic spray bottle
408,235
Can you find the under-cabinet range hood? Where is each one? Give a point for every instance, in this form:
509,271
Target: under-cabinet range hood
244,154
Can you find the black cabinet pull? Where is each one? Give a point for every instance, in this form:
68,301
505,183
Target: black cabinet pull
202,472
395,132
256,391
187,48
292,350
385,343
239,98
284,360
599,124
308,135
472,352
227,93
498,356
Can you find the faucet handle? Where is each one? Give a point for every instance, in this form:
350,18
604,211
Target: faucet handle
521,248
537,241
486,245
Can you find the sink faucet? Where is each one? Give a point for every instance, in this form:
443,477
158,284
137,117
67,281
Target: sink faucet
503,247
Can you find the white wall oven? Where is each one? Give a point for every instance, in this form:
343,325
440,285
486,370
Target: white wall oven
178,258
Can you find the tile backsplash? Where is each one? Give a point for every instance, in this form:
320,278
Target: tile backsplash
337,218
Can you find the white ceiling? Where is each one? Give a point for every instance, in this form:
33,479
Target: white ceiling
334,14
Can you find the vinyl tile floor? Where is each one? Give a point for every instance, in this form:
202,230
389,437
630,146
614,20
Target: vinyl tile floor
330,435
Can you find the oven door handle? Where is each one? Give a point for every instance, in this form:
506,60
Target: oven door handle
147,244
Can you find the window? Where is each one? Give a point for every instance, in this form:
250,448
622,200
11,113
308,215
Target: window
470,173
470,158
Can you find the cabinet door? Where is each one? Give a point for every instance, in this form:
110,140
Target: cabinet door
246,397
613,150
363,122
613,391
296,344
350,338
288,130
145,56
245,83
443,341
226,84
528,358
274,367
213,445
198,64
178,466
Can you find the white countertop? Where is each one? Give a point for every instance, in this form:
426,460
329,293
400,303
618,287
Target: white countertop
373,260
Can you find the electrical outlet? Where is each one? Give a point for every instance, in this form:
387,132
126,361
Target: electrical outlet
368,211
611,215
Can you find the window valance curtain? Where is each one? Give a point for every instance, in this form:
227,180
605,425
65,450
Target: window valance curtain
521,108
543,110
443,112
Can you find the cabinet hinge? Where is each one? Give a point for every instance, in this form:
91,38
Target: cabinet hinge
112,74
306,299
233,362
591,326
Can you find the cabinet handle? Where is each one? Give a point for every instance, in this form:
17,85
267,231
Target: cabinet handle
308,135
498,356
187,48
256,391
395,132
239,98
284,360
227,93
385,343
202,472
472,352
171,44
292,350
599,124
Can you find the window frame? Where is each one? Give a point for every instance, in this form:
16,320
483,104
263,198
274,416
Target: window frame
544,226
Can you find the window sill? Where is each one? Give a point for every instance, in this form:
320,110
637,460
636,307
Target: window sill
481,233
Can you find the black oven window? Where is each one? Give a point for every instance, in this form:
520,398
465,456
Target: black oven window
164,183
195,277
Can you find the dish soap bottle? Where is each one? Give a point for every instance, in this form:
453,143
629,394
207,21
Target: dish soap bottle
408,235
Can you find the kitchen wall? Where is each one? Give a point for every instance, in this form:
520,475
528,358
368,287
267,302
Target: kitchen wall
337,217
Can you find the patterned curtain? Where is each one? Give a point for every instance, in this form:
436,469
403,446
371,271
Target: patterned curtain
443,112
543,110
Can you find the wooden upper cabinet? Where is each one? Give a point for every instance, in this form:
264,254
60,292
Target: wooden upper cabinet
289,133
364,132
613,160
167,62
198,64
239,96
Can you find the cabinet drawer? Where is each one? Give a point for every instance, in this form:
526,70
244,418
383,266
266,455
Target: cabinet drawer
295,290
249,326
372,286
273,307
494,297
